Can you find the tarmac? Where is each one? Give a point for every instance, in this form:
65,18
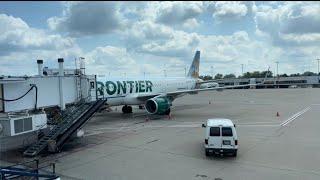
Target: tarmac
138,146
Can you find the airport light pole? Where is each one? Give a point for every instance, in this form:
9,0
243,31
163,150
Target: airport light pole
318,69
277,71
242,70
277,68
212,71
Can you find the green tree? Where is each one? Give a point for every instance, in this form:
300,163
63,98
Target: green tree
205,77
295,75
229,76
218,76
257,74
308,73
263,74
283,75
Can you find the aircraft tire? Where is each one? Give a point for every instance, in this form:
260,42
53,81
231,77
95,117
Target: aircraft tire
167,112
129,108
125,109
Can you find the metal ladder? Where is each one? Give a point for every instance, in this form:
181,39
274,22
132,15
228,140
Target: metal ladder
67,120
80,122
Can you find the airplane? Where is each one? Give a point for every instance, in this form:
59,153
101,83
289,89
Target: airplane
157,94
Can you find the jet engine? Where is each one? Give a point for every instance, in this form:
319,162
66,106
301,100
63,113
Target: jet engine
159,105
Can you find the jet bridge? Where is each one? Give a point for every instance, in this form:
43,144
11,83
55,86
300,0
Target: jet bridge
26,101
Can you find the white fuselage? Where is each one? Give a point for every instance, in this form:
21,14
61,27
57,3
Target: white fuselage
124,91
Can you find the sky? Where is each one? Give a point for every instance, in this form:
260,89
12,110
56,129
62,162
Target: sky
157,38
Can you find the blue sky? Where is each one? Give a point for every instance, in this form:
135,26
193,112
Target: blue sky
148,37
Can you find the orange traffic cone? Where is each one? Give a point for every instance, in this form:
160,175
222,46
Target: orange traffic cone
278,114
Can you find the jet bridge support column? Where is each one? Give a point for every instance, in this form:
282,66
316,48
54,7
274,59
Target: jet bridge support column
61,74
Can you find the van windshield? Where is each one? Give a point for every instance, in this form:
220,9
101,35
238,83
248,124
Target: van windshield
226,131
215,131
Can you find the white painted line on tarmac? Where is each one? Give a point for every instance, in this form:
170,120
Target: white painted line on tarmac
126,127
295,116
258,125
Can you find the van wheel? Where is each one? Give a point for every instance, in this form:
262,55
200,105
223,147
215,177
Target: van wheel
207,153
234,154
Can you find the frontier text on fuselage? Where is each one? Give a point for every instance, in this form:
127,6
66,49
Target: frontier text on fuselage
124,87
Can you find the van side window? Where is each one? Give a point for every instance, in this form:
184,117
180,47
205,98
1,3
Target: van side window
215,131
226,131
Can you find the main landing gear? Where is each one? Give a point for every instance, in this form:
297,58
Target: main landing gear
167,112
126,109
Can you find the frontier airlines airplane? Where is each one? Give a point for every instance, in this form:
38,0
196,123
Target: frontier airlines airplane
157,94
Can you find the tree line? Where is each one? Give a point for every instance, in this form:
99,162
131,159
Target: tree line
255,74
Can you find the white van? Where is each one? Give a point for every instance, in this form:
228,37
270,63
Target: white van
220,137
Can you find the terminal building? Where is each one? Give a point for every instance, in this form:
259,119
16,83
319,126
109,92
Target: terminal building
275,82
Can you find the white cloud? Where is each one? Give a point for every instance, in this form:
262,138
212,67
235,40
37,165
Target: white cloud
117,61
109,57
21,45
173,13
88,18
179,15
227,10
226,53
147,35
161,40
300,18
290,24
16,35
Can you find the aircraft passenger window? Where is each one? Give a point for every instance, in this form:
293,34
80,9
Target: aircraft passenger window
215,131
226,131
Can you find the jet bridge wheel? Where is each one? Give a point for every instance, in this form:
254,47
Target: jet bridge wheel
126,109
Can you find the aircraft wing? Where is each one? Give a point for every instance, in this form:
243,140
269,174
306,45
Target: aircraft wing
175,94
208,81
208,89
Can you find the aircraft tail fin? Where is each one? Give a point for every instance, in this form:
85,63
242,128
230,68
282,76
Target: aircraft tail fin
194,68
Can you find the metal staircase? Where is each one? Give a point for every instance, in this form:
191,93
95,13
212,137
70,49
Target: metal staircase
72,119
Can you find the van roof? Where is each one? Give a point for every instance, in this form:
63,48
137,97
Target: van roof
219,122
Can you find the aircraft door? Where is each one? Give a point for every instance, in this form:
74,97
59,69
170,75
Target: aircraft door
93,88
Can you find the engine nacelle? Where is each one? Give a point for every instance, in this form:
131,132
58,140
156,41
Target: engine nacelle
159,105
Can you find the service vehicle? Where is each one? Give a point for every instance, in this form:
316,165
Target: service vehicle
220,137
